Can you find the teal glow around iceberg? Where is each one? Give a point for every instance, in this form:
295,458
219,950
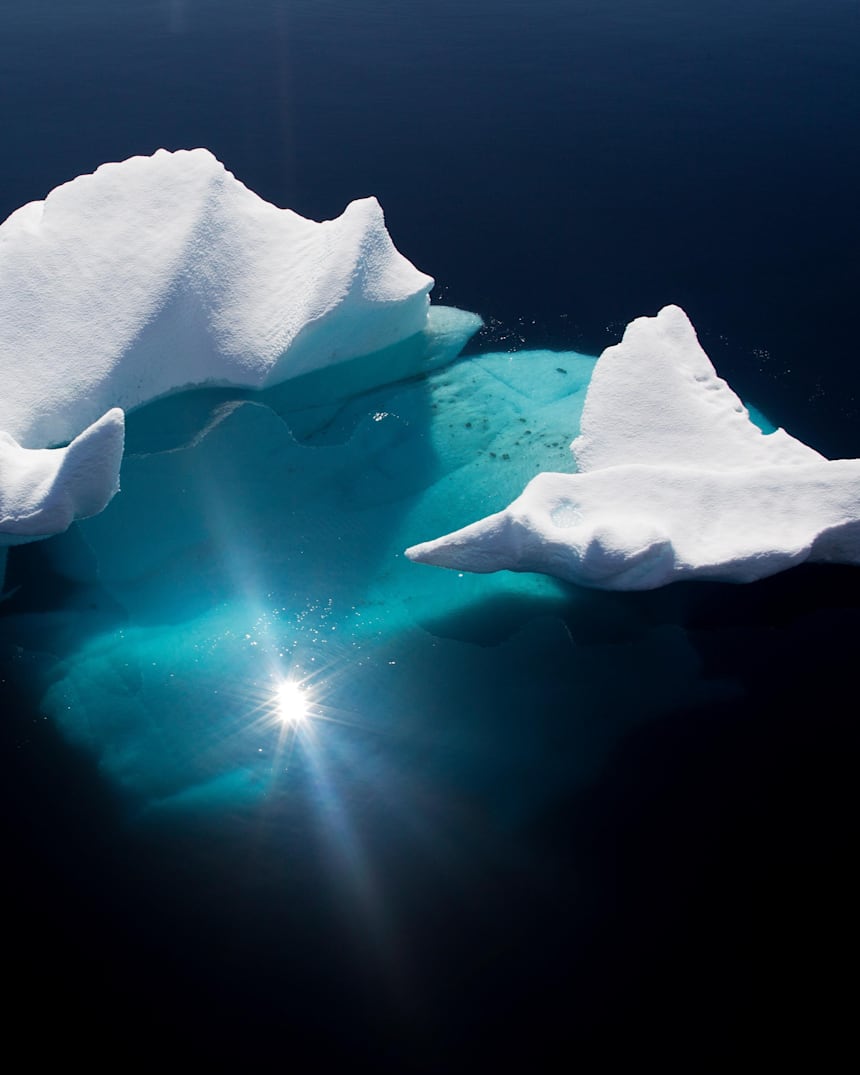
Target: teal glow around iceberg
257,542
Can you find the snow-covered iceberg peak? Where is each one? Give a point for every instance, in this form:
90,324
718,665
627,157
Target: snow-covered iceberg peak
655,398
166,271
162,273
675,482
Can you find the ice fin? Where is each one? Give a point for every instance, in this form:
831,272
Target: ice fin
655,398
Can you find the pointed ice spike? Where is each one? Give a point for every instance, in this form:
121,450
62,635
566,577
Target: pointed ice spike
655,398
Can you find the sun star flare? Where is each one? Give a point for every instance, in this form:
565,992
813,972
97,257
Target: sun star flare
291,704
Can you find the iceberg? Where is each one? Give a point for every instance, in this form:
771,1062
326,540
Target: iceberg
160,273
164,272
674,481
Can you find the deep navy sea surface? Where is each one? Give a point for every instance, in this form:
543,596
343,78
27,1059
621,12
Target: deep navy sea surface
526,821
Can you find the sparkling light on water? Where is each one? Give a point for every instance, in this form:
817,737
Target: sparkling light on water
291,704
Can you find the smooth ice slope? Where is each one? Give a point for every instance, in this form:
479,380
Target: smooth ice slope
43,490
166,271
675,481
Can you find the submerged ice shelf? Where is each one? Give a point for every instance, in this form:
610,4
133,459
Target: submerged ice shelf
198,591
674,481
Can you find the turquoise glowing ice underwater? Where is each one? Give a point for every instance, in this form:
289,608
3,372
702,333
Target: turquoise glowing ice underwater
257,541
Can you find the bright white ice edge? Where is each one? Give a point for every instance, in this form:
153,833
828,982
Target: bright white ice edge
161,273
674,482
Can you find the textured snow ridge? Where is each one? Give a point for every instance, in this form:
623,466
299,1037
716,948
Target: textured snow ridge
163,272
674,482
656,398
43,490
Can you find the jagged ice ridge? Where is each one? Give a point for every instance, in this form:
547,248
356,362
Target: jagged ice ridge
160,273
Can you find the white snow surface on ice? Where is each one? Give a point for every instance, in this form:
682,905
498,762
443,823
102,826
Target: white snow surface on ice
674,482
655,398
43,490
160,273
165,271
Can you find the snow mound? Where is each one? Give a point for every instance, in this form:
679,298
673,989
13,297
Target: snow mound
43,490
675,482
165,271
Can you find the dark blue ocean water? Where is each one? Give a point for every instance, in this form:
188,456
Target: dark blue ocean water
596,821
